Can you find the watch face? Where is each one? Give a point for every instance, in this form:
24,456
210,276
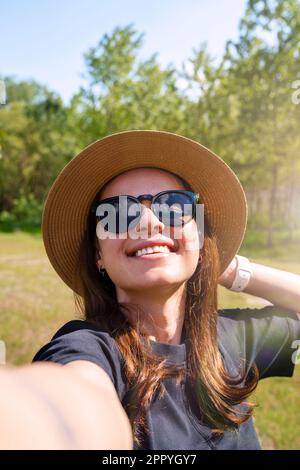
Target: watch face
243,274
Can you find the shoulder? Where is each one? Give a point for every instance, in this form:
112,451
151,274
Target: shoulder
81,328
231,323
239,324
262,335
84,332
270,314
231,335
83,340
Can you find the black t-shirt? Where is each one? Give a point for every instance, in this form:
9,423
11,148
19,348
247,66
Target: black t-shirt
265,336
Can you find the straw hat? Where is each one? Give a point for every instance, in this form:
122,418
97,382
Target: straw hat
71,195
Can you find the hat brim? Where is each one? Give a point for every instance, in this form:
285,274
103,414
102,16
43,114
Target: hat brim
70,197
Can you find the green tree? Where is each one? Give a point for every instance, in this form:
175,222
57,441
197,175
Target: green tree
125,93
35,141
262,65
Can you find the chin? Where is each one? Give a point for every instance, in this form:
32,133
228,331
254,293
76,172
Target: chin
156,282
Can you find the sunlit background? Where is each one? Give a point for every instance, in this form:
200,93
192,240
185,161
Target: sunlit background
226,74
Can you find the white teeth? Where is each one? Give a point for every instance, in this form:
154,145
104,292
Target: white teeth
153,249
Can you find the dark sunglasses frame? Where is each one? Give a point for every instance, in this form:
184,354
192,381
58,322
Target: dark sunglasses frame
193,197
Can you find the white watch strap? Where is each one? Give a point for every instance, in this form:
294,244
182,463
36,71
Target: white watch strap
243,274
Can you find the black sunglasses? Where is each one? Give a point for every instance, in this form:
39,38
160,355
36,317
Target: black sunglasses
120,213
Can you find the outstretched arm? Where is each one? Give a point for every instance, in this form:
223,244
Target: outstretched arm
50,406
281,288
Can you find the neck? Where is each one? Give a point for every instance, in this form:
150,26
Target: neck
162,314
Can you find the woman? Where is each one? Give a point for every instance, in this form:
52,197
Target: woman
145,270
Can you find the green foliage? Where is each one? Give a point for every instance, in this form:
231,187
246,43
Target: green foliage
240,106
125,93
26,214
35,141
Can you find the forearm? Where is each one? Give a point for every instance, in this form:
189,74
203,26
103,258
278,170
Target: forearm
45,406
279,287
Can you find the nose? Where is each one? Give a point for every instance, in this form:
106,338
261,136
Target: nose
148,224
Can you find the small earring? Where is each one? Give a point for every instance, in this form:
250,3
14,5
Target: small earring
102,271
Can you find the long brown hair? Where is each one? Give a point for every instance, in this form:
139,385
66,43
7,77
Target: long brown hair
216,392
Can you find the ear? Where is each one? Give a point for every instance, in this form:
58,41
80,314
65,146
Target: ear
98,260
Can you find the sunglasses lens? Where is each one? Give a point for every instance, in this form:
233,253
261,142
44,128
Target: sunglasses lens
175,209
129,214
120,214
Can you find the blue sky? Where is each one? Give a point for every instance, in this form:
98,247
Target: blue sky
45,40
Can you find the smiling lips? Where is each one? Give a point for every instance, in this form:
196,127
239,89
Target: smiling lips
152,250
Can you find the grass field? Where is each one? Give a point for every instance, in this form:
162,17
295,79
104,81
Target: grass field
34,302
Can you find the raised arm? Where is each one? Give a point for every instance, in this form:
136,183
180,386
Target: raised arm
281,288
50,406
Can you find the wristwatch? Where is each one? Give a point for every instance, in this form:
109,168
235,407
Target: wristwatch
243,274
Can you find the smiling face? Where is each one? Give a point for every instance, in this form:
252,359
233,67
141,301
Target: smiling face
133,270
